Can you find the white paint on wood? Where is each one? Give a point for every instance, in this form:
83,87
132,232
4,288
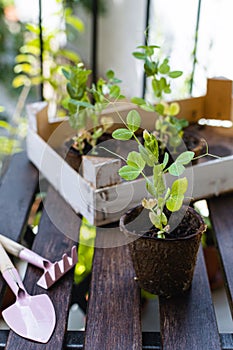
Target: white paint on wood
101,206
101,171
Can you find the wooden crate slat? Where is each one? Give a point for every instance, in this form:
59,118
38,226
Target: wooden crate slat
51,244
187,323
113,318
221,209
105,205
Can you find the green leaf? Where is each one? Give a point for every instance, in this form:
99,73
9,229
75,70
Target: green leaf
165,160
155,219
138,101
135,160
155,86
70,55
164,67
163,219
175,201
151,145
158,179
176,169
147,107
175,74
66,73
5,125
74,21
129,173
179,186
21,80
174,109
122,134
149,46
133,120
146,156
114,91
150,68
150,188
110,74
81,103
139,55
185,157
159,108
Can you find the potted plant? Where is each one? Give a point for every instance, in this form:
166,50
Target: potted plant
164,231
170,130
85,107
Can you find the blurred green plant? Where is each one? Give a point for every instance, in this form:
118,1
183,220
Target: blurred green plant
85,251
10,142
11,36
55,55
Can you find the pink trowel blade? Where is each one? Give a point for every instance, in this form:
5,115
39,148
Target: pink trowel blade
31,317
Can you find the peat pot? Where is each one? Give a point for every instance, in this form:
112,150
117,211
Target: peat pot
163,266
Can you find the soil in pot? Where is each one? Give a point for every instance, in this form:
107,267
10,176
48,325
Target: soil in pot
72,155
191,142
163,266
194,143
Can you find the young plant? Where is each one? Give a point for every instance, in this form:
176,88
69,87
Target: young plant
168,128
85,105
160,196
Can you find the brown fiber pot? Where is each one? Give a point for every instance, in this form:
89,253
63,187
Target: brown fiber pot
163,266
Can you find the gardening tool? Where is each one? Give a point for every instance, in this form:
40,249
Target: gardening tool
32,317
52,271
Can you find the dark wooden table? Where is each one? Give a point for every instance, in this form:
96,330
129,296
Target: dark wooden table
114,312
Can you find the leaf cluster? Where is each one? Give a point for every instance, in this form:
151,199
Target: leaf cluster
158,70
168,127
87,101
161,197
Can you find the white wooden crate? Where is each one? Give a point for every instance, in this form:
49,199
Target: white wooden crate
105,205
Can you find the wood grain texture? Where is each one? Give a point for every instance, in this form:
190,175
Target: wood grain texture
188,321
51,244
221,209
113,318
17,191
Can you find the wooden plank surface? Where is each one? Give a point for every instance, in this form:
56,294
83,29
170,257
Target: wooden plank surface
188,322
17,191
113,318
51,244
221,209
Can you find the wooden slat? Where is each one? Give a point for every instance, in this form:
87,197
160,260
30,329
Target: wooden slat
188,322
113,318
17,191
221,209
51,243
